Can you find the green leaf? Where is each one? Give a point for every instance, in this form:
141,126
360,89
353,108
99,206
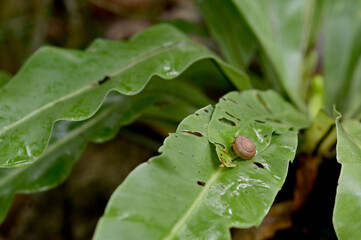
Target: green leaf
232,34
321,126
252,113
346,216
57,84
342,58
283,29
70,138
184,194
4,78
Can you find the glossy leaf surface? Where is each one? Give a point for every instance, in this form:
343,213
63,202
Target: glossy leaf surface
347,218
232,34
254,114
58,84
343,57
283,29
70,138
184,194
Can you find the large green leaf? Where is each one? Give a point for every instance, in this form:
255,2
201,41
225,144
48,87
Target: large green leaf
232,34
254,114
59,84
69,138
184,194
343,57
4,78
283,29
347,217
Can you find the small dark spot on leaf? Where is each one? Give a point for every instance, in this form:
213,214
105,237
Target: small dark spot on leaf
249,106
222,186
106,78
227,121
266,135
267,140
193,155
200,183
274,120
260,165
231,100
233,116
193,133
162,104
196,114
291,129
199,171
264,103
206,110
175,197
259,121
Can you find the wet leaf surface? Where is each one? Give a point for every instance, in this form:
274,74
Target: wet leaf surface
70,138
258,115
184,194
60,84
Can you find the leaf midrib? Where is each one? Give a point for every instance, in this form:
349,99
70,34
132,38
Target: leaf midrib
91,85
53,147
196,203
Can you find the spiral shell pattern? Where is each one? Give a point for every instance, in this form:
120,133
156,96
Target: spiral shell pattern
244,147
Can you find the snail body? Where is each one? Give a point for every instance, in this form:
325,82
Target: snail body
244,147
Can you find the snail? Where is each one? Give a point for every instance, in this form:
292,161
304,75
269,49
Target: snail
244,147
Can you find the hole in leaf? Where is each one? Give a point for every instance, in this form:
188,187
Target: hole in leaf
274,120
193,133
263,102
233,116
260,165
259,121
200,183
227,122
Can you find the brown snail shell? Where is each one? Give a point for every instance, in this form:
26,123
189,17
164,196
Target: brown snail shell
244,147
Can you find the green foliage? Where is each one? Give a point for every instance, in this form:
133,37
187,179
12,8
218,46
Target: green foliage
346,218
343,58
51,85
197,188
205,199
70,138
255,114
4,78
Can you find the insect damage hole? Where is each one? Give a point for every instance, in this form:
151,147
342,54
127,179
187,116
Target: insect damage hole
260,165
200,183
227,122
193,133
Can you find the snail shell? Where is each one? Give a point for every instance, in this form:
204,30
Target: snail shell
244,147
